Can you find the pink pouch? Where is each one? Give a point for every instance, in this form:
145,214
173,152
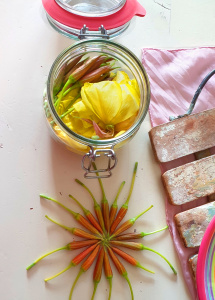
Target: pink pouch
174,77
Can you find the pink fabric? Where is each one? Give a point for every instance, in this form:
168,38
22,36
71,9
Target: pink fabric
174,77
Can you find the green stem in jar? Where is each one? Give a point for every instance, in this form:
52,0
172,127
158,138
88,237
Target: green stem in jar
59,81
93,76
73,101
75,86
63,115
75,76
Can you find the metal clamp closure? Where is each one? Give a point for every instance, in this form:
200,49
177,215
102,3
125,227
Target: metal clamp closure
91,156
85,35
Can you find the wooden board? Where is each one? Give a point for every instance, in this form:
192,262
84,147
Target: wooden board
183,136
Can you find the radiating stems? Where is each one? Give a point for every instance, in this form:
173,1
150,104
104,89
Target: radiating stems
94,290
59,273
60,204
129,284
110,287
152,232
76,231
108,271
118,193
128,224
86,188
43,256
78,217
104,202
124,208
59,224
74,283
132,183
171,266
145,269
79,204
97,207
114,206
138,216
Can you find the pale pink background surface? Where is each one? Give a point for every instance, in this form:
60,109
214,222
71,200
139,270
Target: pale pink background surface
174,77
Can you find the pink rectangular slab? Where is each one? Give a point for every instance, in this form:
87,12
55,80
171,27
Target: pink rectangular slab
190,181
183,136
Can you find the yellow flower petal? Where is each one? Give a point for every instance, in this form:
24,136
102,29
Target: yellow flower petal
121,76
125,125
136,86
119,133
72,93
130,104
104,99
71,144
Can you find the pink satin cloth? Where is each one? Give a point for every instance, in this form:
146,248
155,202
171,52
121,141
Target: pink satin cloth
174,77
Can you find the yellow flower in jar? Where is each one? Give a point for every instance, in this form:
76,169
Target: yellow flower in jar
106,109
110,102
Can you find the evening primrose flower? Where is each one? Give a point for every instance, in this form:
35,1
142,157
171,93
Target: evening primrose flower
122,77
76,120
110,102
106,109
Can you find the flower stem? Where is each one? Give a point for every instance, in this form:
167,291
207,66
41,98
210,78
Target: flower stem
118,193
60,204
73,286
43,256
129,284
89,191
59,273
137,217
94,290
63,115
145,269
63,226
171,266
132,183
110,288
71,103
152,232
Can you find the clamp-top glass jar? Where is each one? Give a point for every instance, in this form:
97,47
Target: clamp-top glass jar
91,148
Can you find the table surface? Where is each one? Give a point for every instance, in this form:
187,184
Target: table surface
32,163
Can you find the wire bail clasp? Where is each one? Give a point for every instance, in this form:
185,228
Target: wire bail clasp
91,173
84,34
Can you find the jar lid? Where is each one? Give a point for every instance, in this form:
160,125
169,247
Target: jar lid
126,12
91,8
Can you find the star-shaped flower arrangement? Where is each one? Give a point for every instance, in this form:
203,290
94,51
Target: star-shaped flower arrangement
104,239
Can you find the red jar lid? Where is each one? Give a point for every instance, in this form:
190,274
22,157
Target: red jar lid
130,9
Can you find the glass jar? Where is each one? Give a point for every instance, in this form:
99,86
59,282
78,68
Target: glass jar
90,148
69,17
92,8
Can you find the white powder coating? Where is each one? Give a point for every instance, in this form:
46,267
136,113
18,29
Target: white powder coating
193,223
184,136
165,129
191,181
